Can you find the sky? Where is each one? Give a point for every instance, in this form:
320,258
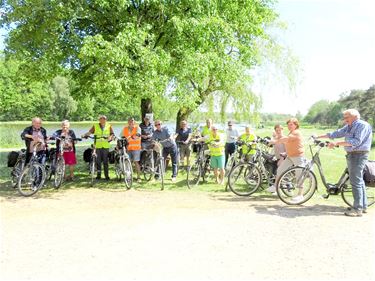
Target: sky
334,41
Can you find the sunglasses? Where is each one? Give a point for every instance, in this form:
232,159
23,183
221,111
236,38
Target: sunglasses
157,124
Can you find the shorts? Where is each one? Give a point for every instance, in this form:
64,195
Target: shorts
134,155
185,150
217,162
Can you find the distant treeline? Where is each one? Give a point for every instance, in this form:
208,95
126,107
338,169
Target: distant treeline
329,113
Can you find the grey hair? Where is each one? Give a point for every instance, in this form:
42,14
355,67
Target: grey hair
36,119
352,112
65,122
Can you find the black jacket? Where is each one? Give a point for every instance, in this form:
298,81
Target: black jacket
29,131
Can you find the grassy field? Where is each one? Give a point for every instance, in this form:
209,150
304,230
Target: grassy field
333,162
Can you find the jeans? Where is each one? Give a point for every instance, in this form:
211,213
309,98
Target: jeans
102,156
356,163
174,156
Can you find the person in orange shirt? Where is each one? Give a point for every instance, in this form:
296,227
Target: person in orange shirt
294,149
132,133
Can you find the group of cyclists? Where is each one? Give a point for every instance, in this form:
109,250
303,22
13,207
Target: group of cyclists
176,147
220,149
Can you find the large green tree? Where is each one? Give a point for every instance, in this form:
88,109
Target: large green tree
124,53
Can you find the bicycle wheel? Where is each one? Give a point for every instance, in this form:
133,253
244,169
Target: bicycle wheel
347,194
127,171
59,172
15,174
93,171
193,175
290,183
244,179
31,179
161,172
230,163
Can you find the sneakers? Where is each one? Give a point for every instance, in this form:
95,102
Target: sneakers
364,211
298,198
271,189
173,179
353,213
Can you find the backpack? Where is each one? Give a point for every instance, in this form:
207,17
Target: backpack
369,173
12,158
87,155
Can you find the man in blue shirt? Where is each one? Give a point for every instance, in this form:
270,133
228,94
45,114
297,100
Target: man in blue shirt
163,135
357,144
183,136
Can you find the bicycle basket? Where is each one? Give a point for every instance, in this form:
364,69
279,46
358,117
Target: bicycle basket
112,157
12,158
122,143
87,155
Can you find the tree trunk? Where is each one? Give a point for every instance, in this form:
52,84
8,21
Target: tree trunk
182,114
146,107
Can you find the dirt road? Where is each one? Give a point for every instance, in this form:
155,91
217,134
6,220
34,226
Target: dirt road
92,234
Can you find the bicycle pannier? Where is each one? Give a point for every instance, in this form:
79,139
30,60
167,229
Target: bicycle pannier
112,157
87,155
12,158
369,173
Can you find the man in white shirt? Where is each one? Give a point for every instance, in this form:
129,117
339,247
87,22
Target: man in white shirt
232,137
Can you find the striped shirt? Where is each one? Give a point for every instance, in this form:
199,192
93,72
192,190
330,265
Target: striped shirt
359,135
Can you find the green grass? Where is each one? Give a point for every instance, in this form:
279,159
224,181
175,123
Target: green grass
333,162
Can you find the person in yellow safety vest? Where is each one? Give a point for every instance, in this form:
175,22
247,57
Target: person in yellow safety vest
207,129
247,138
103,134
132,133
216,145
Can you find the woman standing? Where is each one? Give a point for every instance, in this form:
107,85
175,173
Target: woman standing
69,147
278,148
295,152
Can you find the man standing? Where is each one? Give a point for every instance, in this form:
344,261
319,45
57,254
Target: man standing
357,144
163,135
183,136
216,146
206,131
232,137
133,134
147,130
32,135
103,134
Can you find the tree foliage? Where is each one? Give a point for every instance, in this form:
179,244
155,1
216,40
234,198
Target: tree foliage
119,52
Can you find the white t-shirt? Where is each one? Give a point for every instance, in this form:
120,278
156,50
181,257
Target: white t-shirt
232,135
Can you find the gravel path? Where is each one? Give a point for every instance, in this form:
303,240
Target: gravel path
93,234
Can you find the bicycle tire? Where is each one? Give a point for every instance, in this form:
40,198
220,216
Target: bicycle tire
193,175
93,171
161,172
31,179
347,194
59,172
288,182
15,174
244,179
230,164
127,173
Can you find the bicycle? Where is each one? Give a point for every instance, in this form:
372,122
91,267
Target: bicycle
247,176
151,166
33,174
296,178
57,169
123,166
93,159
201,167
17,167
